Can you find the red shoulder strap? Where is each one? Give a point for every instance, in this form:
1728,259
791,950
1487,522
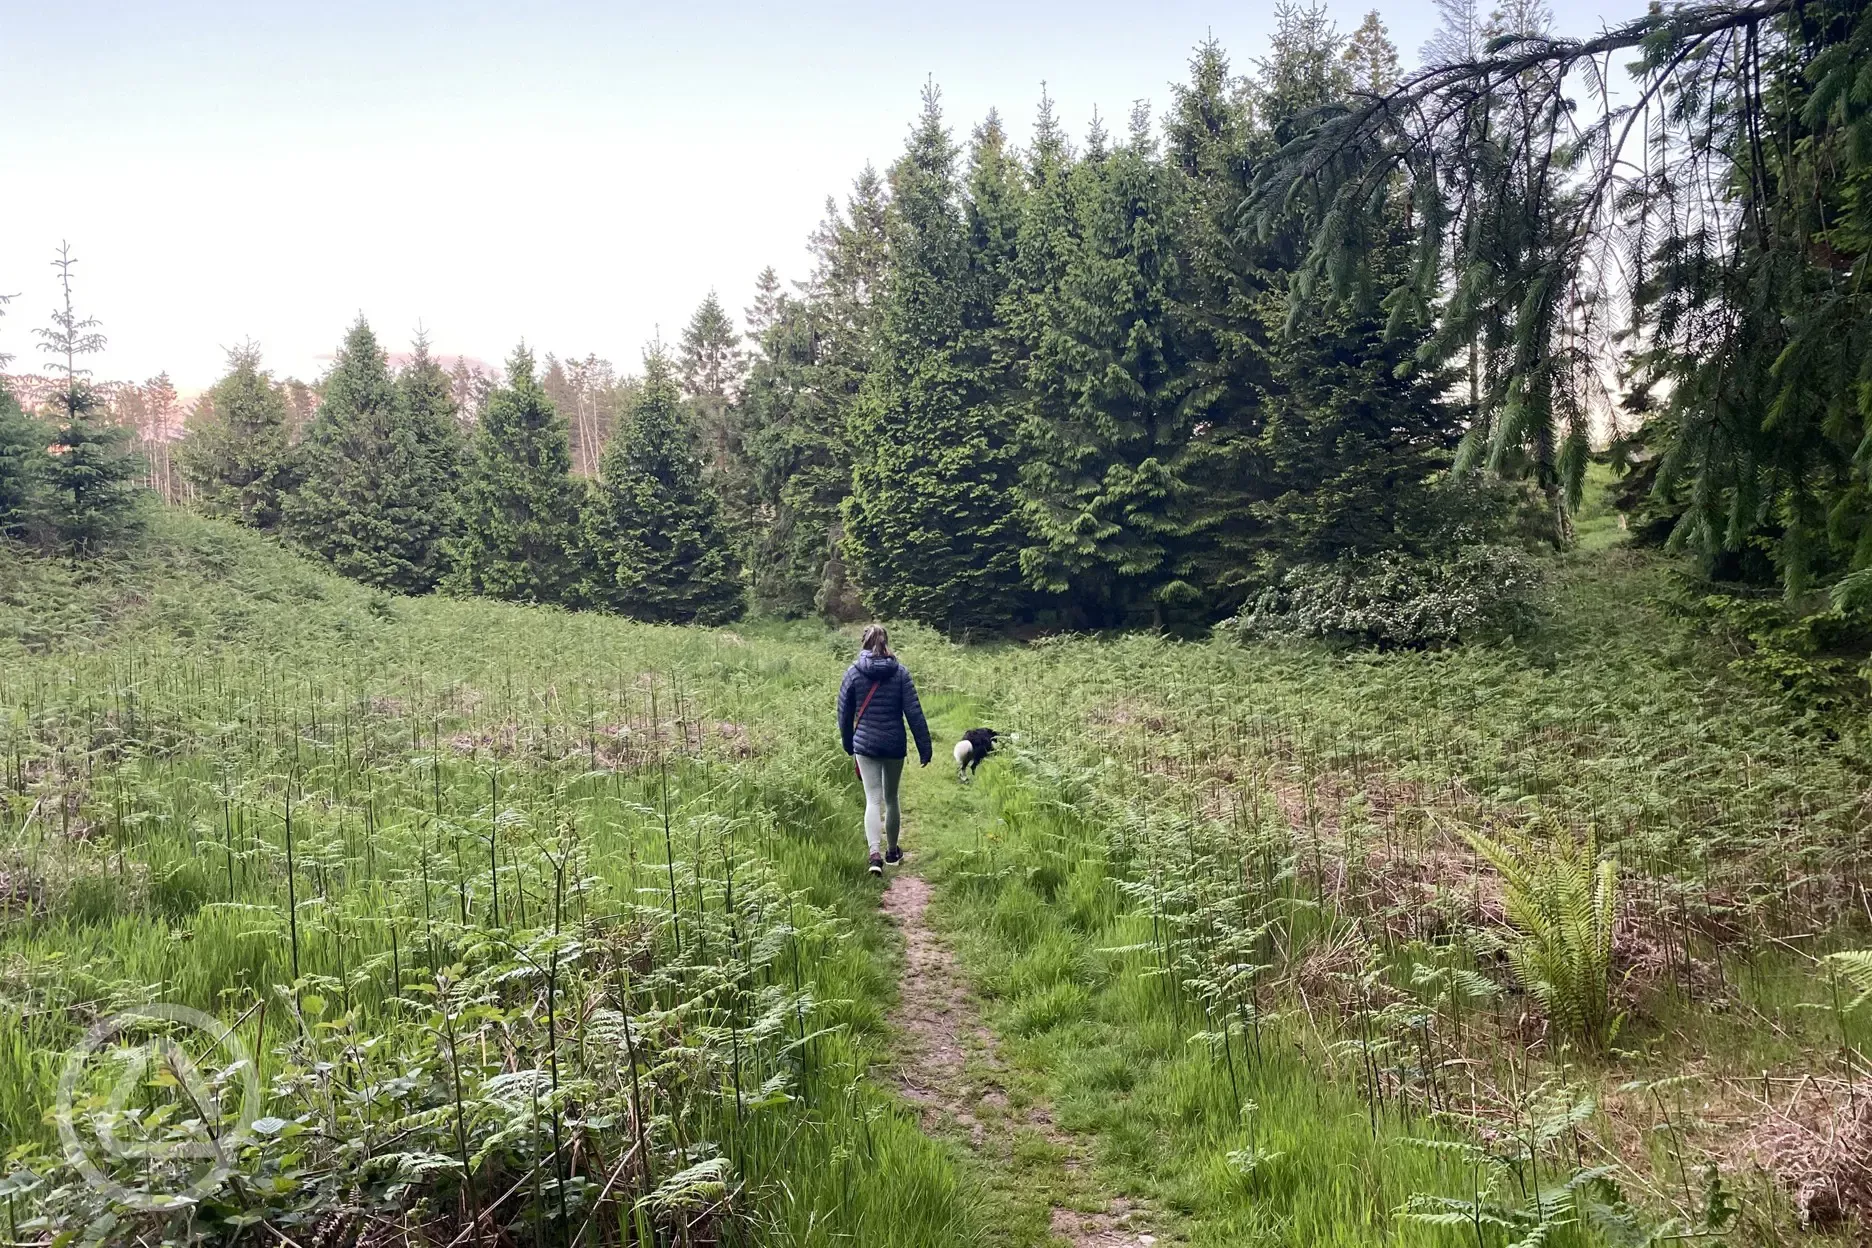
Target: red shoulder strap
866,704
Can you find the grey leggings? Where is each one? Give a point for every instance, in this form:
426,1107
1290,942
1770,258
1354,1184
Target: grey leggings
880,776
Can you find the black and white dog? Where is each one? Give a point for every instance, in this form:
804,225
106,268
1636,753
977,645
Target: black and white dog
975,745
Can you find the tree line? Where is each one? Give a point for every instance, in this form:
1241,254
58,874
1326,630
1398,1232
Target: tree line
1316,319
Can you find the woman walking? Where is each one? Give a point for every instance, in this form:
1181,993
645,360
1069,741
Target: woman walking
877,696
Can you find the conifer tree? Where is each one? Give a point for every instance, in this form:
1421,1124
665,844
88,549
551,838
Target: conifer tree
655,544
237,454
1228,282
710,368
1371,58
90,479
1105,439
1358,439
519,502
845,295
23,466
932,526
376,496
22,458
426,399
797,455
808,360
769,299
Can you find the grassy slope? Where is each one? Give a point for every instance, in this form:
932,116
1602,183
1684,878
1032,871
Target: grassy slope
1653,746
1733,819
132,692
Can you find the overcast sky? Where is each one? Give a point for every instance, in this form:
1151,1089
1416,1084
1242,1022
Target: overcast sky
577,175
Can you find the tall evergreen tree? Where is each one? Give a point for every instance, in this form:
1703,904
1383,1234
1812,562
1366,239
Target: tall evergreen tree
808,360
426,399
796,451
769,299
91,479
655,543
24,465
22,458
1371,58
932,525
375,501
1357,439
851,254
1106,437
519,502
237,454
1227,286
710,367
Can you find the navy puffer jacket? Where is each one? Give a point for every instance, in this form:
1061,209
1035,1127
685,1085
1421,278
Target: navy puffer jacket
880,734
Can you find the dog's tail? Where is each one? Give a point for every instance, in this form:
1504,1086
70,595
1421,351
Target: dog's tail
962,751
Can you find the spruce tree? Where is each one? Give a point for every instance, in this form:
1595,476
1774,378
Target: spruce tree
1227,285
519,503
24,465
375,500
851,251
932,526
1358,439
800,471
237,453
426,401
1106,438
655,544
91,479
710,368
22,458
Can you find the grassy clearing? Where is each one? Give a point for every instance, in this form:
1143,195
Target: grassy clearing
1231,878
534,923
570,936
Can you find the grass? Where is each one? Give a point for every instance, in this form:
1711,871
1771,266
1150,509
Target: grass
432,857
1236,876
571,934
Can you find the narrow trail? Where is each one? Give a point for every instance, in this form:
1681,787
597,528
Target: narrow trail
946,1063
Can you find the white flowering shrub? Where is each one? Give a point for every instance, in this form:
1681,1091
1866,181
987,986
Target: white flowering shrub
1478,592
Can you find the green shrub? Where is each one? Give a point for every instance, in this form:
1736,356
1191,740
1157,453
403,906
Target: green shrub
1809,652
1561,903
1479,592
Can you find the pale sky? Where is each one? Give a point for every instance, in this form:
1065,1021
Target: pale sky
575,174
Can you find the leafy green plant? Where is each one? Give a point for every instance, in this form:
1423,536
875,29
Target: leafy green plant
1479,592
1856,966
1561,904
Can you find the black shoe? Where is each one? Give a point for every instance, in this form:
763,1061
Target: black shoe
893,856
877,865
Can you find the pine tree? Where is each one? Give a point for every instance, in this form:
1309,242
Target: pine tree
22,458
710,367
92,497
519,502
1358,439
654,539
1228,284
1371,58
236,454
769,300
24,466
1105,438
796,452
846,298
932,526
807,363
375,500
426,402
